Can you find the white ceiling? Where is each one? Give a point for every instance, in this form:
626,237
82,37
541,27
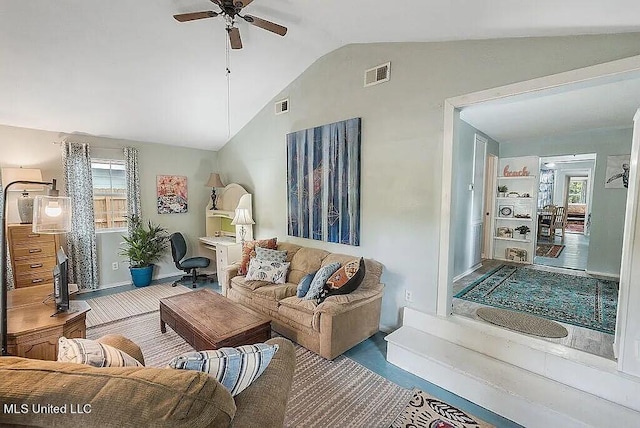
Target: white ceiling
606,103
127,69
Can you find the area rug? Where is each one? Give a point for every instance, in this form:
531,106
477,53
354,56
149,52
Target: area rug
549,250
574,227
524,323
429,412
583,301
345,393
130,303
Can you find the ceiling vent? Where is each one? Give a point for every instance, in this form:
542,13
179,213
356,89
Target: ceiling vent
378,74
282,106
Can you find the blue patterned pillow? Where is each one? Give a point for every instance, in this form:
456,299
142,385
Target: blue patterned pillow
319,279
262,270
234,368
304,285
271,255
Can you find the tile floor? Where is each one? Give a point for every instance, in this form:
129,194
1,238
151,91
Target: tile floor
372,354
573,256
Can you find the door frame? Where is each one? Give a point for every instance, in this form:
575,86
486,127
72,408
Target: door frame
490,193
631,247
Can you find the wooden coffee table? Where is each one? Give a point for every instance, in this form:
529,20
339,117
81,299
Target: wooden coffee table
208,320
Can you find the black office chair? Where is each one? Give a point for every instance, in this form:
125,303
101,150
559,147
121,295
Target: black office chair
189,265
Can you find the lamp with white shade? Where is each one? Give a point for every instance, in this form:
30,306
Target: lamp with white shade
214,181
242,219
52,215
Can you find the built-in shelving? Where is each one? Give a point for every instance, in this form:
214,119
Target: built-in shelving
499,238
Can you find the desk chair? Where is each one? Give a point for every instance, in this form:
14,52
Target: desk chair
189,265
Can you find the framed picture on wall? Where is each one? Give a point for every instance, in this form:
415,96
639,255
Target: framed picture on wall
172,194
504,232
617,176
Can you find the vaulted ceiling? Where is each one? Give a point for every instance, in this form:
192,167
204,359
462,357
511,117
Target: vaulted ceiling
126,69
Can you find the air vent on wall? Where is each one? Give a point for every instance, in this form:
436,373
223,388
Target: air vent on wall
378,74
282,106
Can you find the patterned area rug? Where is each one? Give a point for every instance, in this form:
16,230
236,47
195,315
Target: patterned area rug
583,301
575,227
549,250
428,412
346,394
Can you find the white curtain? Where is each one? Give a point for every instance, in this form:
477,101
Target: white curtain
8,280
133,183
81,241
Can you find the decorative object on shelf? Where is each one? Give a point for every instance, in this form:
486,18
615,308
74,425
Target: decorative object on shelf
214,181
502,191
242,219
328,157
513,195
524,229
52,215
515,254
522,216
524,172
172,194
525,195
504,232
617,172
25,203
505,210
143,247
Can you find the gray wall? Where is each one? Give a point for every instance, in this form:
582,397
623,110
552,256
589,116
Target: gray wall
402,134
463,144
34,148
608,205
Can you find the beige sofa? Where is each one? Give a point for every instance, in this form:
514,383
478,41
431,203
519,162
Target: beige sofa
140,397
329,328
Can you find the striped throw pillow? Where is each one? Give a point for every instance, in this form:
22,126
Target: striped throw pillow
90,352
234,368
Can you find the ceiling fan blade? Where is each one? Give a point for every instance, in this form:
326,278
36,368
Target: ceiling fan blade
184,17
267,25
242,3
234,38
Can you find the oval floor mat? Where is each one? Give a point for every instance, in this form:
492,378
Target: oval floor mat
522,322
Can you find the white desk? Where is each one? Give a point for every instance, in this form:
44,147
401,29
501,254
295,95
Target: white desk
227,251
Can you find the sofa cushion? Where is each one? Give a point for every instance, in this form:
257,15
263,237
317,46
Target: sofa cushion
319,279
276,292
270,271
305,261
248,251
294,302
271,255
243,283
234,368
93,353
305,283
345,280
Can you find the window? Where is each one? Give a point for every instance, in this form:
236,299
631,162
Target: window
109,194
577,190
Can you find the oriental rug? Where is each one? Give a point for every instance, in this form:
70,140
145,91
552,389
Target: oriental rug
549,250
583,301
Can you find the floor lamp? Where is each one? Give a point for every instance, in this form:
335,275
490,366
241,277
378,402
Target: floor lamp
51,214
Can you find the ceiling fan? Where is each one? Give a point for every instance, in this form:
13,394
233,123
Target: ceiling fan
230,9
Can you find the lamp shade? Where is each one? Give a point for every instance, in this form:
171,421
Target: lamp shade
242,217
9,175
214,180
51,214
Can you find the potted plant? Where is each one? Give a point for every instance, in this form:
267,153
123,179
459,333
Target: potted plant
524,229
502,191
144,247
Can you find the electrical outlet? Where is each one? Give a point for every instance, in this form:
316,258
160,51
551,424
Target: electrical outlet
114,266
408,296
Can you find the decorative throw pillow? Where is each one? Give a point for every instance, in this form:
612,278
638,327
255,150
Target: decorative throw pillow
234,368
248,251
90,352
262,270
271,255
344,280
319,279
304,285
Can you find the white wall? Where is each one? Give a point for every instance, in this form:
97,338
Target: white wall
34,148
402,135
607,205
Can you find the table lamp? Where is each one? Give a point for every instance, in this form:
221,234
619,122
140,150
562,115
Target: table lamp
242,219
52,214
214,181
25,203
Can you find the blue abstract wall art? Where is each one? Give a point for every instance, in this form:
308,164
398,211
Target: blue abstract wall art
323,182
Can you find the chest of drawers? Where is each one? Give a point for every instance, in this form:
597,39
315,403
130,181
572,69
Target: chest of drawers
33,255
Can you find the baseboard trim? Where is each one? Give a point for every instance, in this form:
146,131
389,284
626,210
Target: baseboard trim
121,283
604,274
467,272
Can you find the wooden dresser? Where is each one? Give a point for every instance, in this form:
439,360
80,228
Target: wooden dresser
33,255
